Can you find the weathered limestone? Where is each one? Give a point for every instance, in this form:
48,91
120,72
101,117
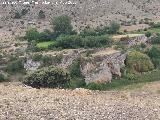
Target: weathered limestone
101,68
31,65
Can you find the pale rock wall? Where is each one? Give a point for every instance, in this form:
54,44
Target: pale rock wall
101,69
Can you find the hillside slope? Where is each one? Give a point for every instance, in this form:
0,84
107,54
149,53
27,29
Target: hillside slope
88,12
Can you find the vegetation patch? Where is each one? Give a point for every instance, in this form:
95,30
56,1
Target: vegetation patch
50,77
45,45
139,62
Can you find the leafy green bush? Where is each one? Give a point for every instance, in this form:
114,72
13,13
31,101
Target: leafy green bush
88,32
96,41
32,34
32,47
51,77
113,28
69,41
36,57
46,35
3,77
139,62
155,25
77,80
75,41
156,40
154,54
62,25
148,34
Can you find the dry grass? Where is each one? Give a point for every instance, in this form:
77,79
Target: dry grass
118,37
107,51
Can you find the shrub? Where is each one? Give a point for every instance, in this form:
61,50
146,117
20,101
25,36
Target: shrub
113,28
32,34
156,40
96,41
154,54
74,69
62,25
69,41
41,14
76,41
32,47
102,31
77,79
51,77
155,25
143,45
17,15
139,62
3,77
37,57
88,32
46,35
148,34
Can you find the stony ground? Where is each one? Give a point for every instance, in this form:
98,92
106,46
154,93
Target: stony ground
18,102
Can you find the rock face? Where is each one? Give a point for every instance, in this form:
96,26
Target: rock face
137,40
102,67
31,65
131,39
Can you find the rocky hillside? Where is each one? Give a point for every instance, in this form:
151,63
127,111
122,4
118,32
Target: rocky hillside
88,12
21,102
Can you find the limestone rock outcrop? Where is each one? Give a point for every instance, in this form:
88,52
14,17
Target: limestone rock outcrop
101,68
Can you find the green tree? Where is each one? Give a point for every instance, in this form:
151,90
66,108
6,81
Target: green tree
62,25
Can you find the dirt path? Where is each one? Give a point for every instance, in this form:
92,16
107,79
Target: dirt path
18,102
